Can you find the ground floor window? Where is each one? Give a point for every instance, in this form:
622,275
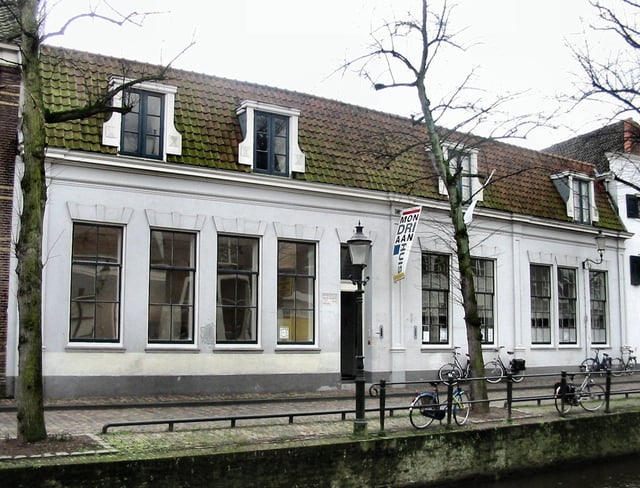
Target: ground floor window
237,290
435,298
96,270
540,285
484,284
567,306
598,292
296,292
171,292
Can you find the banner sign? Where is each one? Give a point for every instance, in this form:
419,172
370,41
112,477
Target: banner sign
405,233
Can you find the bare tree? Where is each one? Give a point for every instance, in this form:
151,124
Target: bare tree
612,77
407,50
29,17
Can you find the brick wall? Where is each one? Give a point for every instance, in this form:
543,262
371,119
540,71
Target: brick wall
9,99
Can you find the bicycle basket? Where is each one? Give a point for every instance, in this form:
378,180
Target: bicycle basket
517,365
429,406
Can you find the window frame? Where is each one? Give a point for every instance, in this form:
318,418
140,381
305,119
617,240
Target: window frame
488,298
143,122
173,269
253,276
433,287
581,191
603,309
311,278
271,135
75,261
543,311
567,307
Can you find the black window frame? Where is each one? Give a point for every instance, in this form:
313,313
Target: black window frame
436,288
540,296
598,306
79,301
485,288
567,305
582,201
270,137
141,109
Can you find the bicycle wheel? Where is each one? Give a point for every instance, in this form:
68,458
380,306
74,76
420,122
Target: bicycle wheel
493,372
449,369
422,410
461,407
562,407
592,397
631,365
517,376
589,365
617,367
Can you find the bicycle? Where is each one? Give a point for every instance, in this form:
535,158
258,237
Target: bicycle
495,369
426,407
455,370
589,395
619,366
595,364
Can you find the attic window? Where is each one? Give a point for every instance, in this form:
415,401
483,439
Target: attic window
633,206
465,163
147,130
577,191
270,139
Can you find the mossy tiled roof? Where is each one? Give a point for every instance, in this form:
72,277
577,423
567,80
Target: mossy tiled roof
344,144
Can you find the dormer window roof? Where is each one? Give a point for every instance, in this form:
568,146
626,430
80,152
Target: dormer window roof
270,139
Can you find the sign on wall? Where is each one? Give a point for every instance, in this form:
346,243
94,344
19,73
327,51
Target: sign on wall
405,233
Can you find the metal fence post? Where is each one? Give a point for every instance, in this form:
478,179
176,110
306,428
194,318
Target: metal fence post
383,401
449,398
607,390
509,395
563,390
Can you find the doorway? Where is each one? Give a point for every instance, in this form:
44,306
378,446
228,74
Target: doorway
348,335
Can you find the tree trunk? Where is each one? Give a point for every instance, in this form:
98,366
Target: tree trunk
30,402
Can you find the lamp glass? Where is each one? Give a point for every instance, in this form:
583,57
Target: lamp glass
601,242
359,246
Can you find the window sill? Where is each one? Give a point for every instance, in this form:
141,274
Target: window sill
296,349
190,348
94,347
232,348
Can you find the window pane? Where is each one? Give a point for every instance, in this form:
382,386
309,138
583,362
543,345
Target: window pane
271,143
237,290
598,291
95,283
540,284
171,278
154,105
296,292
435,299
483,280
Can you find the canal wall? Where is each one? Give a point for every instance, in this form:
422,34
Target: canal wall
422,459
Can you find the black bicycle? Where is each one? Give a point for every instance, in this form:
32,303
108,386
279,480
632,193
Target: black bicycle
596,364
426,407
455,370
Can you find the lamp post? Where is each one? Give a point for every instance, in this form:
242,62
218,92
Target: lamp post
359,247
601,243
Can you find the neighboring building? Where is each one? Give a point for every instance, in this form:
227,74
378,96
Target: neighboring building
197,243
9,105
615,151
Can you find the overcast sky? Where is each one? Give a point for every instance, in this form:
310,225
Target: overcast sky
516,46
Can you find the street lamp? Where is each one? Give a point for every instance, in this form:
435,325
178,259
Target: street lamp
601,242
359,247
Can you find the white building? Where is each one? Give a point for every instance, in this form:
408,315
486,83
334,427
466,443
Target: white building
197,244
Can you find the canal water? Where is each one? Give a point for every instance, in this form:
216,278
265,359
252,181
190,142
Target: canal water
616,473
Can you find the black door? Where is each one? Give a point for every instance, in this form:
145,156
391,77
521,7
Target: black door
347,335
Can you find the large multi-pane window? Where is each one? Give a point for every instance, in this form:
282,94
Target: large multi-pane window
567,306
598,292
581,201
96,270
484,283
142,126
296,292
540,284
237,297
271,143
435,298
172,271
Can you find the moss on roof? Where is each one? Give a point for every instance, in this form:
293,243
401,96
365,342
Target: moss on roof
344,144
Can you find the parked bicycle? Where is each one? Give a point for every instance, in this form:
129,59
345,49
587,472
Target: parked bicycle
596,364
589,395
455,370
495,370
624,364
426,407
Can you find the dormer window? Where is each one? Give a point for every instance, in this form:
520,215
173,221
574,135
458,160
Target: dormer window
270,142
465,164
147,130
142,127
576,189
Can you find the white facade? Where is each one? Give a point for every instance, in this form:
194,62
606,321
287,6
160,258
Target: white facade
139,195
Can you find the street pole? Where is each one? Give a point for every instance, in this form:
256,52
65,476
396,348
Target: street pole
360,423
